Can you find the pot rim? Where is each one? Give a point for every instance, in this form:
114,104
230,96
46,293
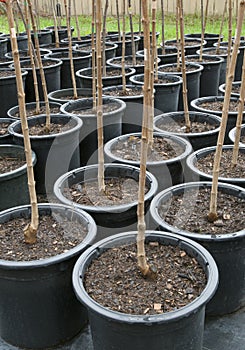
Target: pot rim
92,230
96,209
172,316
194,134
78,126
79,73
191,162
232,134
187,148
177,80
196,104
192,235
199,68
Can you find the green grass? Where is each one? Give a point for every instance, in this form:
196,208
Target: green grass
192,25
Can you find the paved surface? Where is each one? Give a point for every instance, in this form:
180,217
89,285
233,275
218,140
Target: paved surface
224,333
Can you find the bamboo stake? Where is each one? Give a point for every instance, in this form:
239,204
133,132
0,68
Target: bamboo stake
42,75
239,117
163,30
145,269
30,231
132,32
57,40
101,180
154,41
103,37
93,55
177,37
204,22
212,215
68,22
183,67
140,16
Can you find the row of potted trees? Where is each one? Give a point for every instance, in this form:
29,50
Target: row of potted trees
40,289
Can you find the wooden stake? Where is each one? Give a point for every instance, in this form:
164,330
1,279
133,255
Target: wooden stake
132,32
93,56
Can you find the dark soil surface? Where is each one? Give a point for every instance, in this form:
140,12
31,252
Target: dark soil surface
65,54
4,128
187,43
160,80
127,92
40,129
196,60
107,108
45,63
189,212
10,163
71,97
162,149
218,106
55,235
118,191
30,112
114,280
129,61
178,126
7,73
205,164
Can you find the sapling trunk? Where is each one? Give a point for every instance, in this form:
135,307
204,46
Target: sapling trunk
239,117
118,20
202,31
103,37
177,37
42,75
163,29
229,35
144,267
221,28
154,38
140,15
206,16
212,215
183,67
56,32
132,32
33,58
76,19
101,180
93,55
123,48
68,23
30,231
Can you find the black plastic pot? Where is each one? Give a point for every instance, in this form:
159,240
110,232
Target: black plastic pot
109,219
22,41
14,184
141,36
197,140
235,84
232,134
167,172
211,51
110,49
77,41
14,111
3,46
166,97
181,329
8,90
80,60
6,138
52,77
170,55
227,249
38,308
209,80
5,62
53,48
128,44
193,158
44,36
85,78
240,55
132,118
210,38
191,44
192,80
56,153
232,116
62,32
112,125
